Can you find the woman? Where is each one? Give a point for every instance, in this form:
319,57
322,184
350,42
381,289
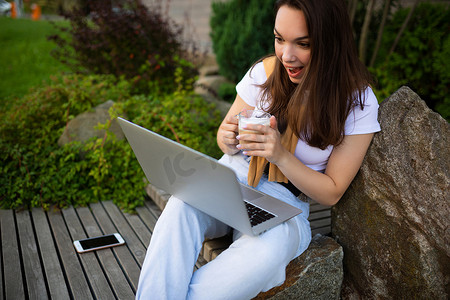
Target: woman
324,115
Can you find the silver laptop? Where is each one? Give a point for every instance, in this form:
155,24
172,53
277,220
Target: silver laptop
204,183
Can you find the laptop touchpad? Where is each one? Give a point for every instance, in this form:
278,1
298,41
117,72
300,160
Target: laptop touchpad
250,194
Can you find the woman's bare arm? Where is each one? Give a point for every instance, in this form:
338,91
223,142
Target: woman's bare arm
326,188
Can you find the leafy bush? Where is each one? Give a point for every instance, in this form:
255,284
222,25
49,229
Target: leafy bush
125,38
35,171
227,92
241,32
422,57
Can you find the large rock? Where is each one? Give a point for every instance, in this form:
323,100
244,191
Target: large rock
394,220
82,127
316,274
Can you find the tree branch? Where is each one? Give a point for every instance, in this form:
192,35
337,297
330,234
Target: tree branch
387,5
402,29
365,31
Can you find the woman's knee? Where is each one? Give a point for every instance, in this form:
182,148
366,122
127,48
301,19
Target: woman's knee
276,246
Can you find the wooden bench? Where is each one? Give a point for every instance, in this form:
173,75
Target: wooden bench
38,260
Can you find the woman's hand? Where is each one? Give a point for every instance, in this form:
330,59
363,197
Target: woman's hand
267,144
228,129
226,135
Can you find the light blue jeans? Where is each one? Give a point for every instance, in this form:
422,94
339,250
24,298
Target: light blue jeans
249,266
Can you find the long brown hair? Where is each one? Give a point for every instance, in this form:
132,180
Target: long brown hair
334,80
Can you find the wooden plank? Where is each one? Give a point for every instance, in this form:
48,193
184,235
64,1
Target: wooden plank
113,271
52,266
320,218
134,244
74,272
14,288
141,230
315,206
158,196
322,214
93,271
153,208
200,263
320,223
217,252
147,217
130,267
213,247
35,283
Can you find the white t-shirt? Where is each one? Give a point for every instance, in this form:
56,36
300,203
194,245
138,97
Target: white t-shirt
358,121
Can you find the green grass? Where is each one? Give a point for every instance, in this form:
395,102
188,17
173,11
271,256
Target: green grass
25,59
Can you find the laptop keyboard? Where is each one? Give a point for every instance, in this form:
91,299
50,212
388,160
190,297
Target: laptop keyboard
257,215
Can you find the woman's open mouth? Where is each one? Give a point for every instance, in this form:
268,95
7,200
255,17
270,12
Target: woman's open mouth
294,72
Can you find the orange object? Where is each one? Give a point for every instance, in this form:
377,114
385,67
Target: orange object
35,12
13,10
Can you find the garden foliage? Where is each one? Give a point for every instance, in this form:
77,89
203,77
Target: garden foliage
125,38
241,32
421,59
120,51
35,171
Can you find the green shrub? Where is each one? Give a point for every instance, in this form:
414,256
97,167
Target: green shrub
125,38
241,32
35,171
227,92
421,59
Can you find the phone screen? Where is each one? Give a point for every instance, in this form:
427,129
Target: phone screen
98,242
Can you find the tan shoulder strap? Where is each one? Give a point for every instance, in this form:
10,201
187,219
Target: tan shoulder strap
269,64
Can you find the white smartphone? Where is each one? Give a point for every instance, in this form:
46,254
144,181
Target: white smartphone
99,242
